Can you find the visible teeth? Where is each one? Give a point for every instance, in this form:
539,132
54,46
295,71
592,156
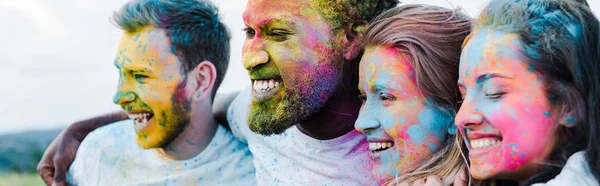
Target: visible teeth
484,143
265,85
379,145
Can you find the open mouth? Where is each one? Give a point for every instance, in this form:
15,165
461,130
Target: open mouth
140,119
483,143
264,89
379,146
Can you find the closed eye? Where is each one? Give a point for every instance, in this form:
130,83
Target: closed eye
139,77
494,93
249,32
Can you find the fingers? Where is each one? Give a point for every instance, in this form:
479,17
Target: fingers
461,179
47,173
45,167
433,181
60,170
419,182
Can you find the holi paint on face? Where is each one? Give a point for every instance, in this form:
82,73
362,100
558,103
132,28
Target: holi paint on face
506,116
151,87
290,55
401,127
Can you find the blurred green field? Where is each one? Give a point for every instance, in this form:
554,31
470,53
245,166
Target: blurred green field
21,180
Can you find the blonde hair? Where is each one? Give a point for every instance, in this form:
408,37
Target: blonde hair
431,37
446,163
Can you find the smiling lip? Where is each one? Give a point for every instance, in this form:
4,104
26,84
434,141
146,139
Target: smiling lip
265,89
379,146
141,119
482,143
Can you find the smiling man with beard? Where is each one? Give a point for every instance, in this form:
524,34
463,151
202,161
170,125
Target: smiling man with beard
298,116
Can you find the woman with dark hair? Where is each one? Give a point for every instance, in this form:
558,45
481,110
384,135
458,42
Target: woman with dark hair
407,77
529,77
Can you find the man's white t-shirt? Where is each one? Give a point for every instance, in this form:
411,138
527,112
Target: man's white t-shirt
110,156
293,158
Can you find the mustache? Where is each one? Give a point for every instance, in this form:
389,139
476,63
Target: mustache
264,72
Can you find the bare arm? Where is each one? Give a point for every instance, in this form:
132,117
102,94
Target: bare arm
220,106
60,154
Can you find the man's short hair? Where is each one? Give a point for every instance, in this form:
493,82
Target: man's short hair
342,12
193,26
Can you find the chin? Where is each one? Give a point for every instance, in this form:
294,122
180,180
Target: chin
481,175
150,141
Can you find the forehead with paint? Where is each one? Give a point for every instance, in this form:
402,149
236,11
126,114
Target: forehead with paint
145,51
505,107
400,125
150,77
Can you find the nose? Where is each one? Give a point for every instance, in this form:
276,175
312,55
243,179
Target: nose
468,115
254,53
366,121
123,95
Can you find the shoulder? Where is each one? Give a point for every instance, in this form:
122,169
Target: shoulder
118,133
576,172
89,154
106,141
237,114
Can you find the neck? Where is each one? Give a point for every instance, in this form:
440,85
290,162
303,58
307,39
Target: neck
335,119
195,137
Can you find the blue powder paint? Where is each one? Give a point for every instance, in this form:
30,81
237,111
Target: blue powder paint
173,49
434,121
547,114
530,68
432,147
199,95
570,121
512,114
417,134
388,164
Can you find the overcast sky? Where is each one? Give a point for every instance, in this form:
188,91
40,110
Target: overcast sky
56,58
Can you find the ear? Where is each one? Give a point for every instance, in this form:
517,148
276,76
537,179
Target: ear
566,117
353,39
204,76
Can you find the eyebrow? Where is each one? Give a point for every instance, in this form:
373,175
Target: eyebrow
379,87
484,77
265,23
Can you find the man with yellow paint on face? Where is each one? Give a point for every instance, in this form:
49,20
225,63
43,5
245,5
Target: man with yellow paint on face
171,59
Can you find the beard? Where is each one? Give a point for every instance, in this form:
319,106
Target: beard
175,120
304,96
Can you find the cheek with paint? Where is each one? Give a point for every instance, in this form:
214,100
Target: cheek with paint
506,115
150,74
519,120
402,112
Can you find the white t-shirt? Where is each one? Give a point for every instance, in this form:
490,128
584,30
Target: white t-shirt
110,156
576,172
293,158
